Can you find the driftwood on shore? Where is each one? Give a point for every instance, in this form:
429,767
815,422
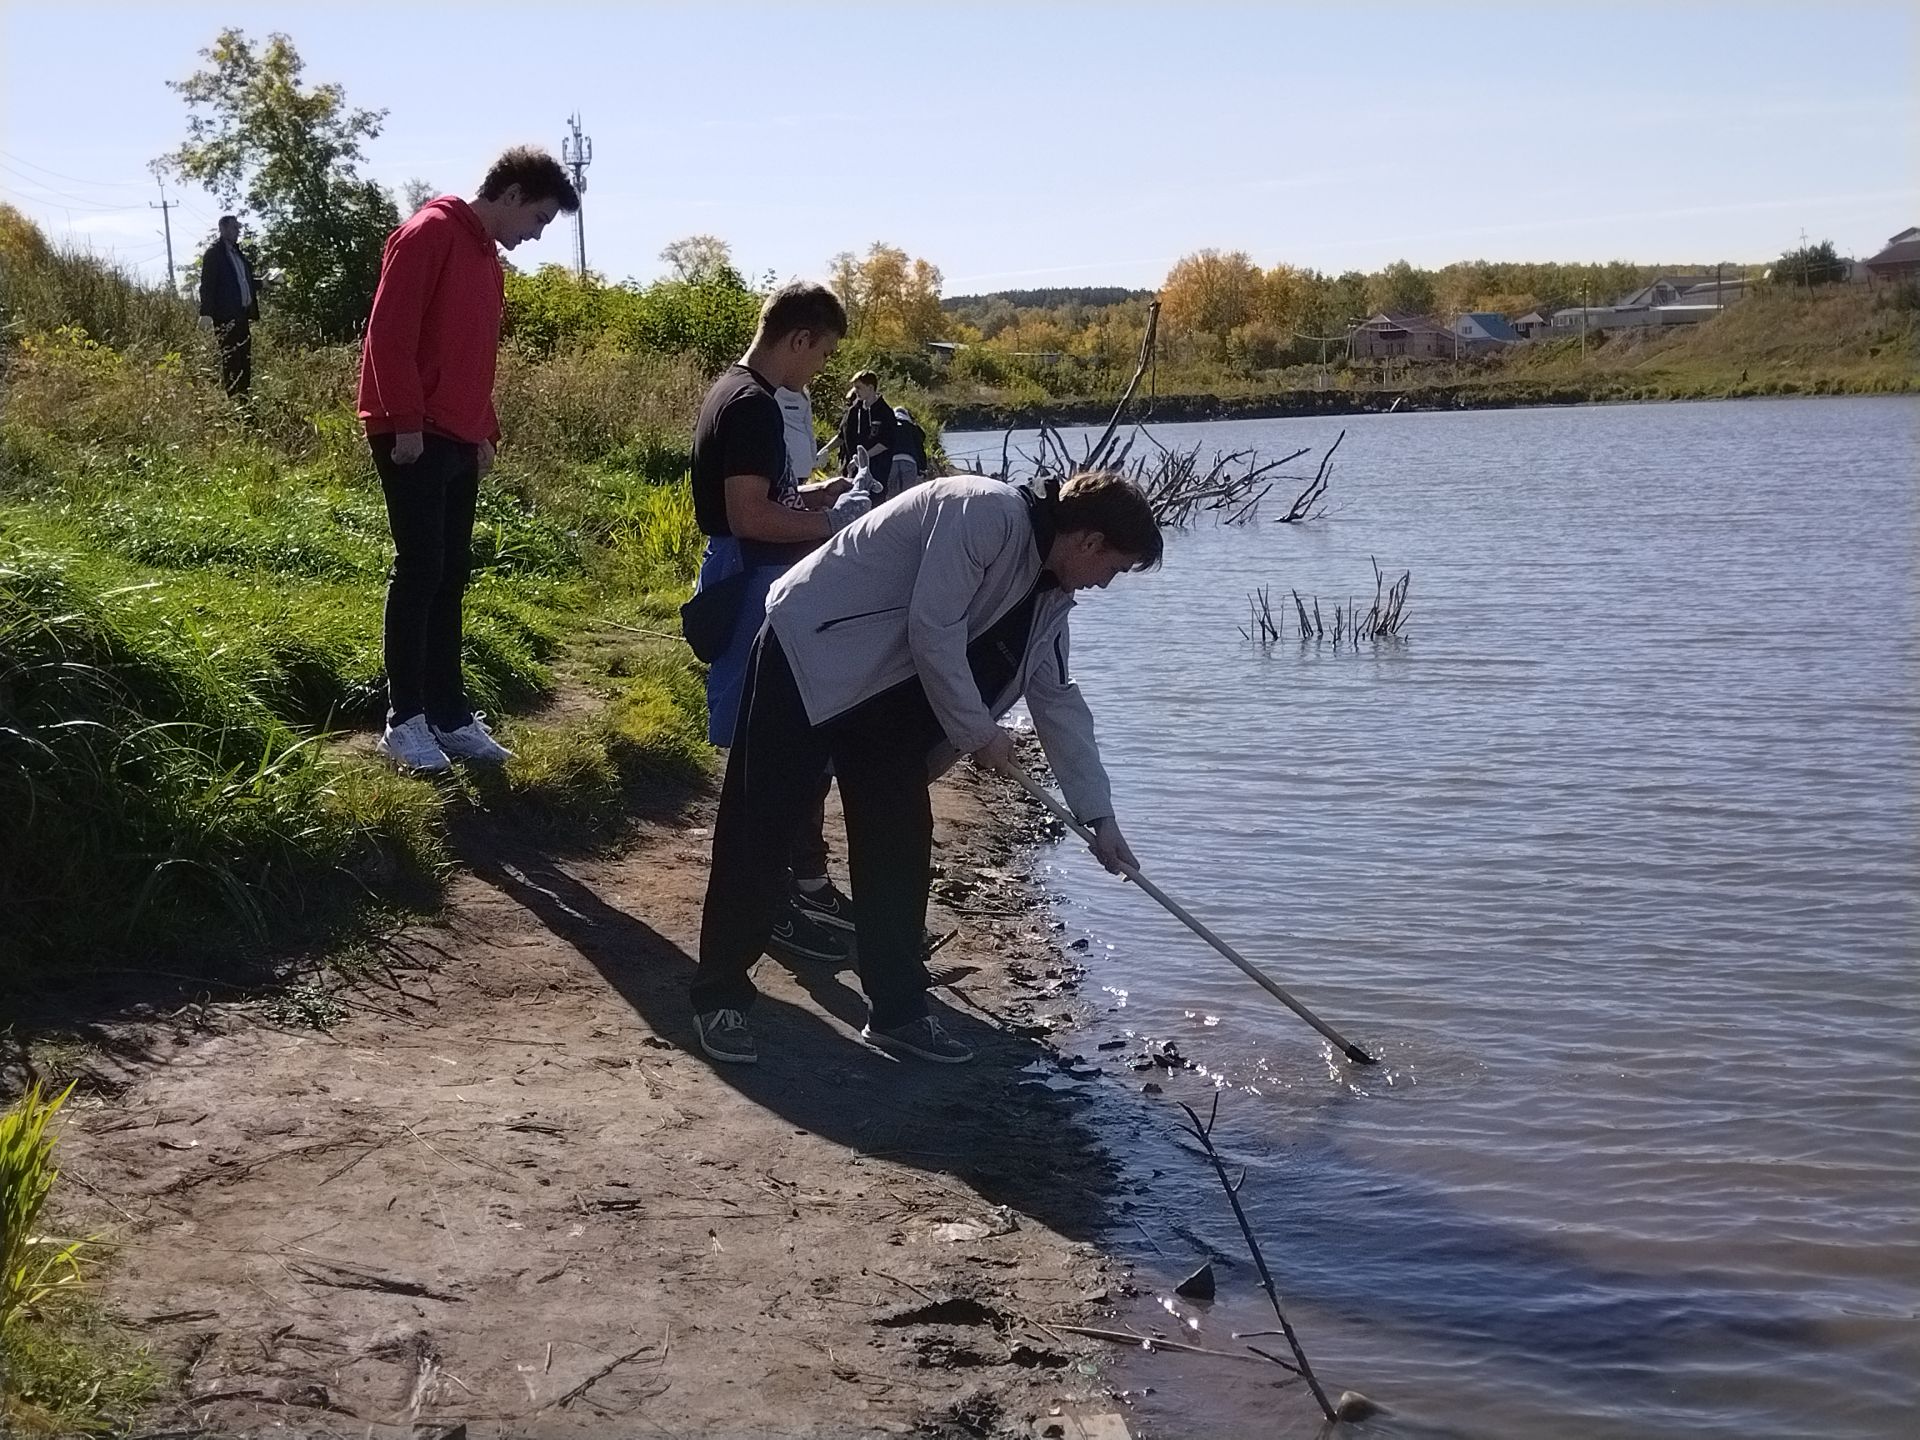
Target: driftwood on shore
1180,483
1181,486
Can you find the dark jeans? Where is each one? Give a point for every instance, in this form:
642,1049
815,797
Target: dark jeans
879,755
236,356
430,511
810,844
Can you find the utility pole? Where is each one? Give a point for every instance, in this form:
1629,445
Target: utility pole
576,153
165,207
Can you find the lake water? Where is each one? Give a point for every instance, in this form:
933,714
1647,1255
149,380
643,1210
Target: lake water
1612,861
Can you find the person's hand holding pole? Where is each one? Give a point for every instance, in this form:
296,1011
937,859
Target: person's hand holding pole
1109,839
1110,847
997,753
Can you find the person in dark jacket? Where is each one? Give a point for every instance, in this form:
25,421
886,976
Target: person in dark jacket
909,466
867,425
230,300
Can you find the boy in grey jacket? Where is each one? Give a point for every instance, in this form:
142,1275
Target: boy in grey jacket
891,651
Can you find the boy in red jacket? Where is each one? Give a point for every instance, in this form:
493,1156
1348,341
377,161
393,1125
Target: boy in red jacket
426,398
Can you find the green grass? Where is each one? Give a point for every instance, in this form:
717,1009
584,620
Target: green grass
64,1367
75,1371
190,615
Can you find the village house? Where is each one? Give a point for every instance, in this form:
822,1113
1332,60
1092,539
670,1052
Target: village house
1534,324
1670,300
1899,260
1480,332
1395,336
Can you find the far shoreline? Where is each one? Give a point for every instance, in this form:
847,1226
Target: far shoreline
1312,404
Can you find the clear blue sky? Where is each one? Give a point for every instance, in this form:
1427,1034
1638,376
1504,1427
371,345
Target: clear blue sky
1048,144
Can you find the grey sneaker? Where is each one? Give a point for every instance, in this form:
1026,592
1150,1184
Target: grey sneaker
411,746
724,1035
924,1037
474,741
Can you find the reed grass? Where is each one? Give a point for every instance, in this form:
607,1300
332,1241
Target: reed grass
1385,619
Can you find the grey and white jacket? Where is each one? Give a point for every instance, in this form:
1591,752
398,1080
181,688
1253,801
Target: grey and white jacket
904,591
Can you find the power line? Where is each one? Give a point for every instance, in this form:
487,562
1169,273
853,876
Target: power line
88,201
115,184
63,205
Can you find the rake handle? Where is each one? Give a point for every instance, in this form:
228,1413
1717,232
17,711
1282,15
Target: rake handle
1179,912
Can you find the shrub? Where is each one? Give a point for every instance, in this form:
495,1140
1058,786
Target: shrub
597,404
44,289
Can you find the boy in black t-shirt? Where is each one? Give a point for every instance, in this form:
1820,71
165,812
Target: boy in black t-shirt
760,519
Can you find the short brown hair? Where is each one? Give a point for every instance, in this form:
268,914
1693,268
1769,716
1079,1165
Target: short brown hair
867,377
802,305
538,174
1116,508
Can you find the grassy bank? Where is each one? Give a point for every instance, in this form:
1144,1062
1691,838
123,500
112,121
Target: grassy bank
1840,340
190,619
190,675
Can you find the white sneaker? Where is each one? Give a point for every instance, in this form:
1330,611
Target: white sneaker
411,746
473,741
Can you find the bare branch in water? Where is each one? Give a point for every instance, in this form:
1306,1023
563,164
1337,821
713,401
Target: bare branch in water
1309,506
1385,620
1204,1134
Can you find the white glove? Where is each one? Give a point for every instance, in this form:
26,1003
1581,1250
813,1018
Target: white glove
847,509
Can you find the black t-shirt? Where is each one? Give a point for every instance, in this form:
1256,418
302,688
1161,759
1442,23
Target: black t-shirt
741,431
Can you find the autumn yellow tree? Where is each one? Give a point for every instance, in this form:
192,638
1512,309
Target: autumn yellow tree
1209,293
1282,297
892,300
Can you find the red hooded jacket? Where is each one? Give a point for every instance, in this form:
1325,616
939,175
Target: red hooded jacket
434,334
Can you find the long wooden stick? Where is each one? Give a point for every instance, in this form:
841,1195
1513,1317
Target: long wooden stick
1174,908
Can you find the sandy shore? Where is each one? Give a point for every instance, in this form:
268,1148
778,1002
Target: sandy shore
505,1192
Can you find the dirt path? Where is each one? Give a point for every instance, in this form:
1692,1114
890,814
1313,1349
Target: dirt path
504,1192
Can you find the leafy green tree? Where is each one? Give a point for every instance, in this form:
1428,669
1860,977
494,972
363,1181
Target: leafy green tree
287,154
1810,265
1403,289
698,259
417,192
712,321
